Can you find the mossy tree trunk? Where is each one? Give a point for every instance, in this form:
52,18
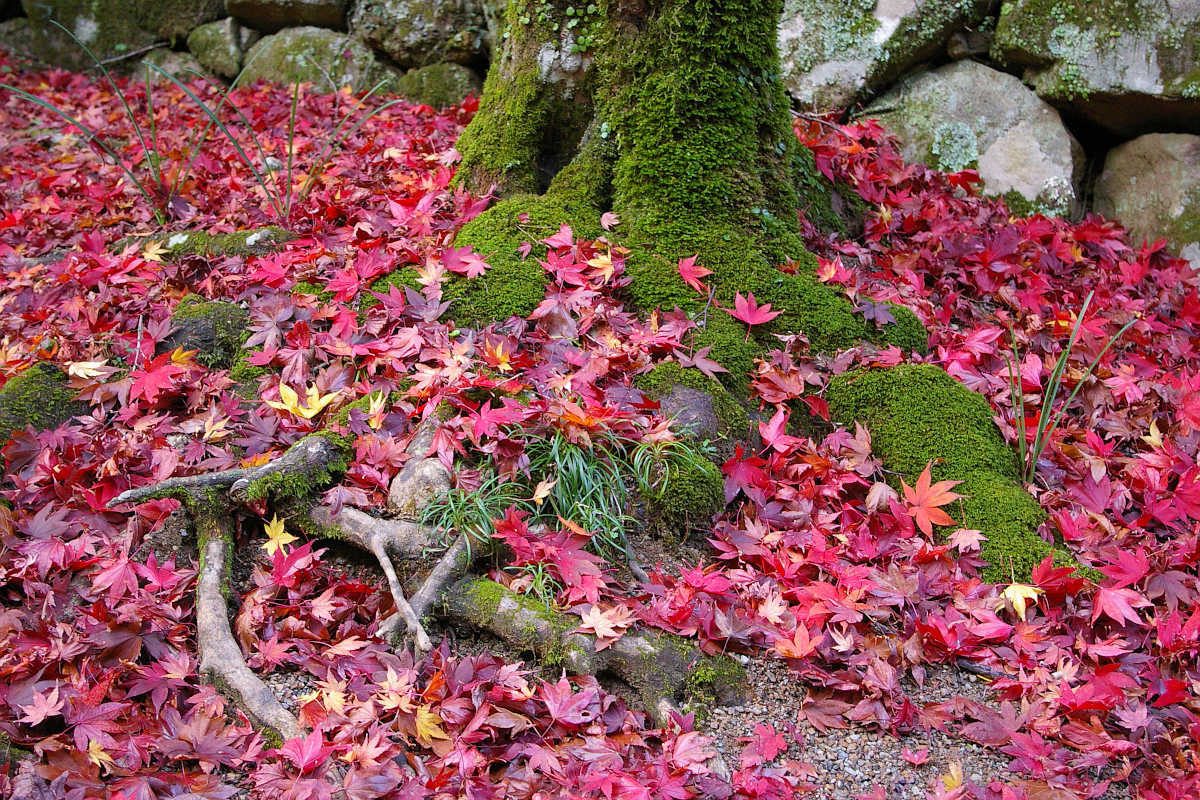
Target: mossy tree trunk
674,117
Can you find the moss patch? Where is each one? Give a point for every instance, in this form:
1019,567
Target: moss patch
213,328
39,397
513,286
918,414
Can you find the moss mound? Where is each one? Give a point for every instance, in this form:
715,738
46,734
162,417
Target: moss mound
918,414
513,286
213,328
38,397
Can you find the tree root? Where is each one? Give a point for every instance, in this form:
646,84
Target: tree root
661,669
220,657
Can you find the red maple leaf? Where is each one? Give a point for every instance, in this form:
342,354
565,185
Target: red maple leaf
923,502
750,312
691,272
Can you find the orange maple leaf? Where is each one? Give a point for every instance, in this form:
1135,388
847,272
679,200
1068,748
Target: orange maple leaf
924,501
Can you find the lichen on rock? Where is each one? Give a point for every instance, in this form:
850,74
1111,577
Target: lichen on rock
324,58
438,85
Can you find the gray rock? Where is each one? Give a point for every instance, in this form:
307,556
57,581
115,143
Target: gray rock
325,58
111,27
693,410
16,37
835,52
965,115
439,85
417,33
1152,185
275,15
1128,66
221,46
183,66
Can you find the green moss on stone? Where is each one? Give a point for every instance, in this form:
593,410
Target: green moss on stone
907,332
438,85
213,328
302,483
917,415
39,397
315,289
658,383
512,286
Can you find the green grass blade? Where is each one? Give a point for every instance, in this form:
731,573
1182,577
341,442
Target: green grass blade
237,146
336,137
137,129
292,145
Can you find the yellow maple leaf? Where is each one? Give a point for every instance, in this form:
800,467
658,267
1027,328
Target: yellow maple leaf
314,401
1019,595
277,537
87,369
429,726
1154,438
256,461
182,357
376,410
542,491
98,756
154,251
953,778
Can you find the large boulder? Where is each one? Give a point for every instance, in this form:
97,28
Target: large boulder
1129,66
111,27
439,85
221,46
965,115
836,51
1152,185
183,66
274,15
16,37
327,59
417,33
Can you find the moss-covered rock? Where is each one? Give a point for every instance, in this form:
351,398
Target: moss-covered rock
182,66
327,59
416,33
39,397
919,415
731,418
111,27
514,285
213,328
1127,66
17,38
254,242
221,46
274,15
438,85
836,51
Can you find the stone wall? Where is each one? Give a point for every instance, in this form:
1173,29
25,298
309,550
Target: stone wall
1035,94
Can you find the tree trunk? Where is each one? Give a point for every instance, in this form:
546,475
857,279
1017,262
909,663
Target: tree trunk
672,114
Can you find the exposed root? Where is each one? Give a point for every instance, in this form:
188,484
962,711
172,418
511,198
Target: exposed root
221,659
453,564
662,669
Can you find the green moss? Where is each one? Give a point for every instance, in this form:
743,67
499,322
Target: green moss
512,286
302,483
213,328
256,241
246,374
917,414
38,396
438,85
711,678
11,753
692,493
315,289
907,332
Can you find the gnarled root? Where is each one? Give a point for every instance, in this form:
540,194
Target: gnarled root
662,669
220,657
